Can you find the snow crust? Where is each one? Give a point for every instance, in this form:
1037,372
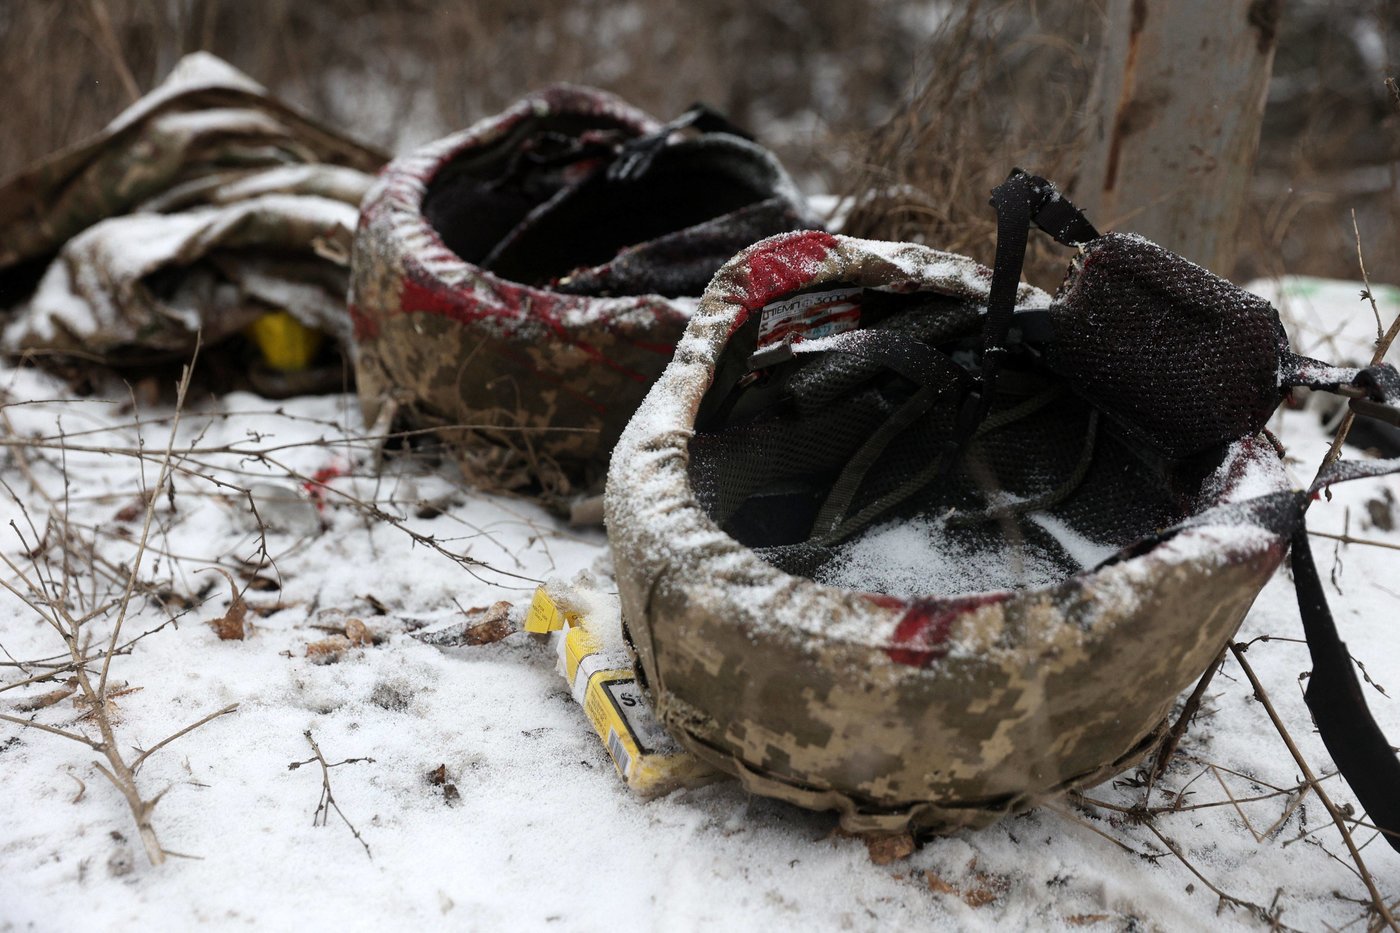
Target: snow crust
923,557
191,72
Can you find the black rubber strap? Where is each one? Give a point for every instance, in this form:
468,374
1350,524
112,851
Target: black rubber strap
1344,722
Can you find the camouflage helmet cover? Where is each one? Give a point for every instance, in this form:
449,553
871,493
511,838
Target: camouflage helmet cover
926,713
529,384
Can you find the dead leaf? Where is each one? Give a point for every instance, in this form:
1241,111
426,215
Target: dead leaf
111,711
886,850
1381,511
133,510
262,584
231,626
438,778
983,889
484,625
358,633
492,626
328,650
937,885
1084,920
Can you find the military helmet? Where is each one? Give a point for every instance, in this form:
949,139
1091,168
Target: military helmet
520,284
900,536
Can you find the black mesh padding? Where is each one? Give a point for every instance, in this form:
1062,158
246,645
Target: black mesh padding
930,319
682,263
779,452
477,199
1044,456
1180,357
539,206
587,224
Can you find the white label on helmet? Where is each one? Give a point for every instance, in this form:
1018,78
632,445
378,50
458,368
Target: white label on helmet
809,316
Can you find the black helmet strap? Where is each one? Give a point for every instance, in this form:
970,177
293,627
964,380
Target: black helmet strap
1344,721
1019,201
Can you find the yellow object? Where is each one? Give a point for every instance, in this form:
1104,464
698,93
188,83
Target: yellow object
286,343
648,759
544,616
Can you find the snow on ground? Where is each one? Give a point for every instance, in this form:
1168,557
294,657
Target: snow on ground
542,834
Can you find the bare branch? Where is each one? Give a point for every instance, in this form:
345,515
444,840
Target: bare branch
31,724
327,801
150,514
141,758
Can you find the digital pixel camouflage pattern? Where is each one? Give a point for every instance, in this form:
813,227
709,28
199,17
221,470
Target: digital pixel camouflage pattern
203,206
921,713
529,382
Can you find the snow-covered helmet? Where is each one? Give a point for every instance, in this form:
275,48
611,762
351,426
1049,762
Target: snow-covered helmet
518,285
892,529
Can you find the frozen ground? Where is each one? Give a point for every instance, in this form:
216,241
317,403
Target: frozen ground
542,834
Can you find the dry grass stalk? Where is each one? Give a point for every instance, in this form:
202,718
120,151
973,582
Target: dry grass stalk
1003,94
1383,342
107,36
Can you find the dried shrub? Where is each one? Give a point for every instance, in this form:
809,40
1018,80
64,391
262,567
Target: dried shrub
1005,90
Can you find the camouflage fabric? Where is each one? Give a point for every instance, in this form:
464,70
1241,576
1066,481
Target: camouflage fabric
927,713
530,383
202,206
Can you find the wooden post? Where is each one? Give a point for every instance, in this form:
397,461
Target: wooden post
1173,122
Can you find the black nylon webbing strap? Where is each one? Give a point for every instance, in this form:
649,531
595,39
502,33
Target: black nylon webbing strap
1012,200
637,154
1356,744
1020,200
843,491
1053,213
1374,391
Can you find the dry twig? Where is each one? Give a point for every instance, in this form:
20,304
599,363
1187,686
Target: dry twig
327,800
1378,903
48,597
1383,342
